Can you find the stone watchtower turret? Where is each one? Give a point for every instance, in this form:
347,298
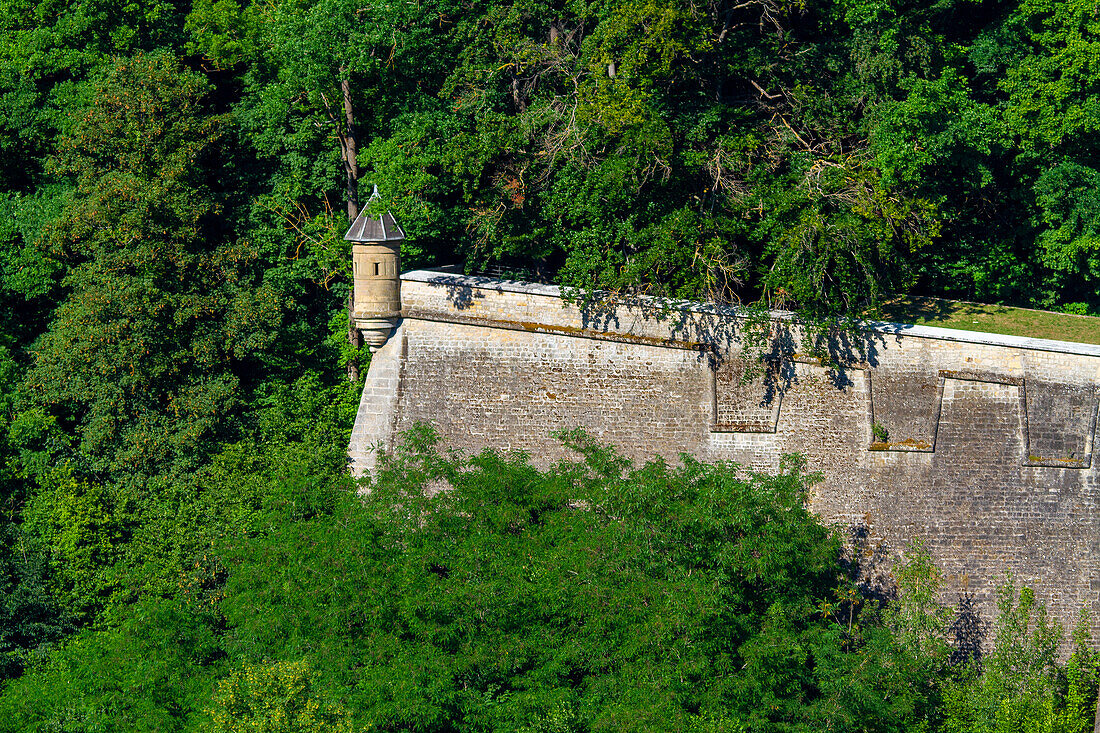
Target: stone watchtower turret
376,270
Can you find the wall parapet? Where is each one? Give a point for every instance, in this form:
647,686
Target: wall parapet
475,282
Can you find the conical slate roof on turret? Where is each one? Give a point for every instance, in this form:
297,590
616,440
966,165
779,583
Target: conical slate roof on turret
382,229
367,229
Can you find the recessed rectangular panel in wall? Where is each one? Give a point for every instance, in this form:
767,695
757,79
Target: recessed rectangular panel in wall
905,398
980,431
1061,420
745,403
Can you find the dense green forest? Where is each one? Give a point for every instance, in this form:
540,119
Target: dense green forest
180,545
594,596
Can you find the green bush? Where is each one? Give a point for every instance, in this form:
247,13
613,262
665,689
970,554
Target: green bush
273,698
1019,686
594,595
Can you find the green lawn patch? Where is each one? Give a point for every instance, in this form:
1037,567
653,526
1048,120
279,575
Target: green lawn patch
993,319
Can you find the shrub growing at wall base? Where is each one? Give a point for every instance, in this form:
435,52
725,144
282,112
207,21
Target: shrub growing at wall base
593,596
484,594
1019,687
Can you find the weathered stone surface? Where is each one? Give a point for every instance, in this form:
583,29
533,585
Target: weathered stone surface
988,460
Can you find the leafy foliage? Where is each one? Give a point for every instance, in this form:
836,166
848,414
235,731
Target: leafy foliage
273,697
173,407
484,593
1021,687
148,673
593,596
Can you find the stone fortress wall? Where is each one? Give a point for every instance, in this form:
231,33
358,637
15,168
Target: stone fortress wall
988,459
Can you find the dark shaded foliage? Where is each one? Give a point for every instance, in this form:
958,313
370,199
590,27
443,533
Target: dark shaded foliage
173,186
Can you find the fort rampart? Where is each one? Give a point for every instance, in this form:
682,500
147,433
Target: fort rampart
988,453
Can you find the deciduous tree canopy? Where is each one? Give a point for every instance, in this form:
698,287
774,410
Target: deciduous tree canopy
175,181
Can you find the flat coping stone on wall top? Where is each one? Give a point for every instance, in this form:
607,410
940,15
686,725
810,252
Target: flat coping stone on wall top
477,282
980,337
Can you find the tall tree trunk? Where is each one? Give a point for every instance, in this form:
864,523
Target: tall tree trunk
351,148
351,168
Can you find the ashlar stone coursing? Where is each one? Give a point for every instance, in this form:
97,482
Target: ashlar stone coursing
988,457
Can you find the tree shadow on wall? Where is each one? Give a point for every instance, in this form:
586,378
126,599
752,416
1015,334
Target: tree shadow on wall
868,564
967,633
767,344
769,349
462,291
